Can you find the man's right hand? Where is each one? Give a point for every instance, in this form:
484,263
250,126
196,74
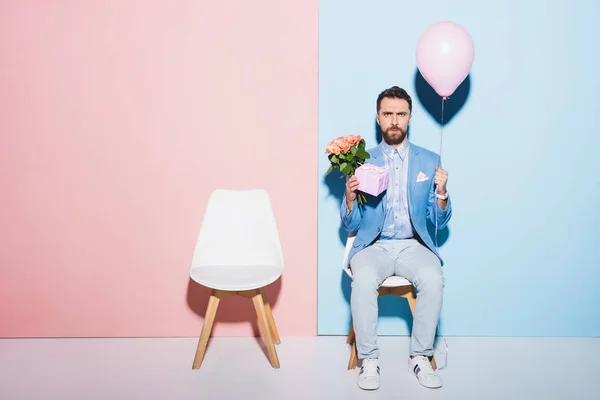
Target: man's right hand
351,187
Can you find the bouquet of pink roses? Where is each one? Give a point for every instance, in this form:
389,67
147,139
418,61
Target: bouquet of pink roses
346,154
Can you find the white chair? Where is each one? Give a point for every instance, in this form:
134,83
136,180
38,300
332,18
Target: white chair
238,252
394,285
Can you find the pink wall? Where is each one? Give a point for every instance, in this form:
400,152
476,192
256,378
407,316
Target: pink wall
117,120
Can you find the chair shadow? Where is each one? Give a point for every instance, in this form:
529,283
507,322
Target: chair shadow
234,309
392,306
389,306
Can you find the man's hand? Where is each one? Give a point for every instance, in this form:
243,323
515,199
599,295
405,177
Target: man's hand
351,187
440,179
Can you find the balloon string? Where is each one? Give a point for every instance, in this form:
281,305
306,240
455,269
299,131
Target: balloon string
442,130
436,225
440,166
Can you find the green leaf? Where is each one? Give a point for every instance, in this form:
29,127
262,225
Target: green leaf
330,170
347,169
362,144
334,159
353,150
342,156
362,154
349,157
342,166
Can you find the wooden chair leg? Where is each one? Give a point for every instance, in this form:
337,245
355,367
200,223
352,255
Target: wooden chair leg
351,336
353,352
263,321
409,295
353,357
269,312
209,319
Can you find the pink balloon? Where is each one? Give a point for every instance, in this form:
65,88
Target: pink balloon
445,56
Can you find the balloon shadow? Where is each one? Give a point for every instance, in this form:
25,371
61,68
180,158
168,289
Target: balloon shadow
432,101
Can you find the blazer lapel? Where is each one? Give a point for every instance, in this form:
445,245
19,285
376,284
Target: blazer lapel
376,157
413,168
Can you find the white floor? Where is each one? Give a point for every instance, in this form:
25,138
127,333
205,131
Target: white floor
311,368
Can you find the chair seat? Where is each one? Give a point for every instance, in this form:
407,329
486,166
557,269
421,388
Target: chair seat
236,278
396,281
392,281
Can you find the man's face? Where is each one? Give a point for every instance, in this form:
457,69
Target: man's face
393,118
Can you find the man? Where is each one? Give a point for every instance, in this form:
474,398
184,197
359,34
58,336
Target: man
392,239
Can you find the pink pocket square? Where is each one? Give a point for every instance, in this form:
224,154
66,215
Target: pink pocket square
422,177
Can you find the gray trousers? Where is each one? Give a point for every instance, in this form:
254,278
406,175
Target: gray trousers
411,260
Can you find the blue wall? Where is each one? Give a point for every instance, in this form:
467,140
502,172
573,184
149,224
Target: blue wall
521,148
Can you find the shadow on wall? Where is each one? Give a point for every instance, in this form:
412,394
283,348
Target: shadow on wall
432,102
233,309
336,183
393,306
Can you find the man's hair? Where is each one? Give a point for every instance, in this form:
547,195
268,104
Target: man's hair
394,92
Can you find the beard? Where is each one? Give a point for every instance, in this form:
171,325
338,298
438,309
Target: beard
394,137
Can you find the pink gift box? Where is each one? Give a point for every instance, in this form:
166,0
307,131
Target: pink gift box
372,179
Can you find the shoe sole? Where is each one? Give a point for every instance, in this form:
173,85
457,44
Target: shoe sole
420,383
368,389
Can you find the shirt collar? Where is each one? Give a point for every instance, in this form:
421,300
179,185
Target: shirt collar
390,150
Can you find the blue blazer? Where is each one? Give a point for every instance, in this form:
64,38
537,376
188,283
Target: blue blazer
367,220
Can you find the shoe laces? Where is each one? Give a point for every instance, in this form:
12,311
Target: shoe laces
369,368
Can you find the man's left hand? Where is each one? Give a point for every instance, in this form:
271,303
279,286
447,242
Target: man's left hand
440,179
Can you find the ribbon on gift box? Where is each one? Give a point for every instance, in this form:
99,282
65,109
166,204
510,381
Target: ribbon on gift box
371,167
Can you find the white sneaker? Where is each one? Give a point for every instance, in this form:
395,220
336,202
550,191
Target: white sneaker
368,378
420,367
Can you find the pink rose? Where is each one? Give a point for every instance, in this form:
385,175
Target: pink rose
342,144
352,139
332,148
